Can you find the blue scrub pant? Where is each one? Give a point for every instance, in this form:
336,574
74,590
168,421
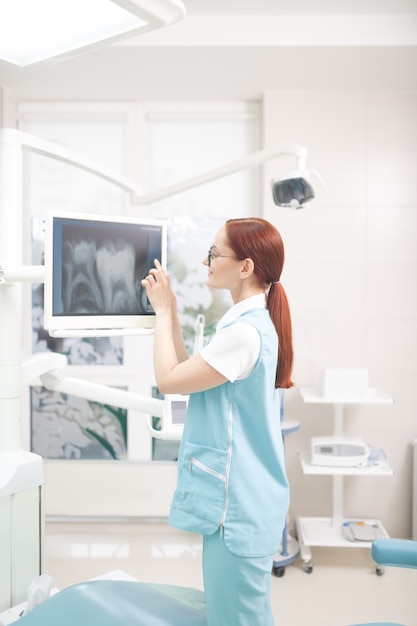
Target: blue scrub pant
237,588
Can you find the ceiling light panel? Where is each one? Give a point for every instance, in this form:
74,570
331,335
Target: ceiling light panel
32,32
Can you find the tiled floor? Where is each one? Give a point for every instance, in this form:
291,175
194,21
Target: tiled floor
343,588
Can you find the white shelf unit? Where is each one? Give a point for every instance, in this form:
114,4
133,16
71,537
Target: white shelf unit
327,531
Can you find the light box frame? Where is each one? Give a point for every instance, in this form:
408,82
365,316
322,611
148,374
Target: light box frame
64,323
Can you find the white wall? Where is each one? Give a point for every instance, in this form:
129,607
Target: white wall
350,275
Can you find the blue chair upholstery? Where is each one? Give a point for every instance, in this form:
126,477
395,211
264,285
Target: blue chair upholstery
393,553
120,603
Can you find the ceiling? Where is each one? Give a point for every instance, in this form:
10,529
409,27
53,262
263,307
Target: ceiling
238,49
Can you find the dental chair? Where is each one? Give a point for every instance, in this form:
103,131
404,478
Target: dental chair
393,553
120,603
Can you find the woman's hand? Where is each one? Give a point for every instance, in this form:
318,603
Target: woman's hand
158,289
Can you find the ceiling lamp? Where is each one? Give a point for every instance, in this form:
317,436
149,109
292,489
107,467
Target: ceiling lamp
35,31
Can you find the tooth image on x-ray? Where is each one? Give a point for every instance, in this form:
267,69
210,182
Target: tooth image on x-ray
116,271
103,275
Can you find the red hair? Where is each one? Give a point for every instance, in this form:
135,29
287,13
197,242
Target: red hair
259,240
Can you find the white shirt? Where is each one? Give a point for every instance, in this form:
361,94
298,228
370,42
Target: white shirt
234,350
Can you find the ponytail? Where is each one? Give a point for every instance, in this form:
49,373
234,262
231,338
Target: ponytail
279,312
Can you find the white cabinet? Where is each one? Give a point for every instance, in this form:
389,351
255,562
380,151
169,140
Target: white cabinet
21,525
334,531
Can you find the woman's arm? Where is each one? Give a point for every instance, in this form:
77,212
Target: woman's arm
175,372
180,349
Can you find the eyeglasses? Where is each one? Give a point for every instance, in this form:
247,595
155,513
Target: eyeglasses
214,255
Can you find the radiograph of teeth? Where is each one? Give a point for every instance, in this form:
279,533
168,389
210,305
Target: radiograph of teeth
81,291
101,275
116,271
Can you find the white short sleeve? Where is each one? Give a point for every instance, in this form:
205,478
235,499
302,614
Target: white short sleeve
234,350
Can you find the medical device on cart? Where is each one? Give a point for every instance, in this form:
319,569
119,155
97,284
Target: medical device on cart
339,452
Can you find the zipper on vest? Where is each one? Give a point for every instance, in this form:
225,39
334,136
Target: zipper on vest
229,461
204,468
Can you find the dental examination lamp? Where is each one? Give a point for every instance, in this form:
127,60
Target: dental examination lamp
292,192
295,190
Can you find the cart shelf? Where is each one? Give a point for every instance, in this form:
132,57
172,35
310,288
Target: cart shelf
328,531
382,469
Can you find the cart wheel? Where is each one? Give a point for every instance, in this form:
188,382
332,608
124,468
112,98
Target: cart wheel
308,568
380,571
278,571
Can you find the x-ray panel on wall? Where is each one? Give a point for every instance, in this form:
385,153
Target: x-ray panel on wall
98,266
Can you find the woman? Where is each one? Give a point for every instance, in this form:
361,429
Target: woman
232,486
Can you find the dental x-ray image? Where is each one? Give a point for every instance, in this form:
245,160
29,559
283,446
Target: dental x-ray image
100,269
99,277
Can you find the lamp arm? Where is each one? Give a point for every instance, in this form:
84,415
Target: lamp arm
22,274
56,380
249,161
48,149
41,363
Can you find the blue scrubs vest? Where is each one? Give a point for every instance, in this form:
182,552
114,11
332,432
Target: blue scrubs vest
231,466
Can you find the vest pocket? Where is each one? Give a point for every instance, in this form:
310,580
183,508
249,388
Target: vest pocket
201,489
192,461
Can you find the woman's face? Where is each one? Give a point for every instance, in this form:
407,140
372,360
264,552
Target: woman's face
223,266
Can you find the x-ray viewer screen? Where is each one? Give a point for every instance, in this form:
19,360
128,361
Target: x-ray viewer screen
98,264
